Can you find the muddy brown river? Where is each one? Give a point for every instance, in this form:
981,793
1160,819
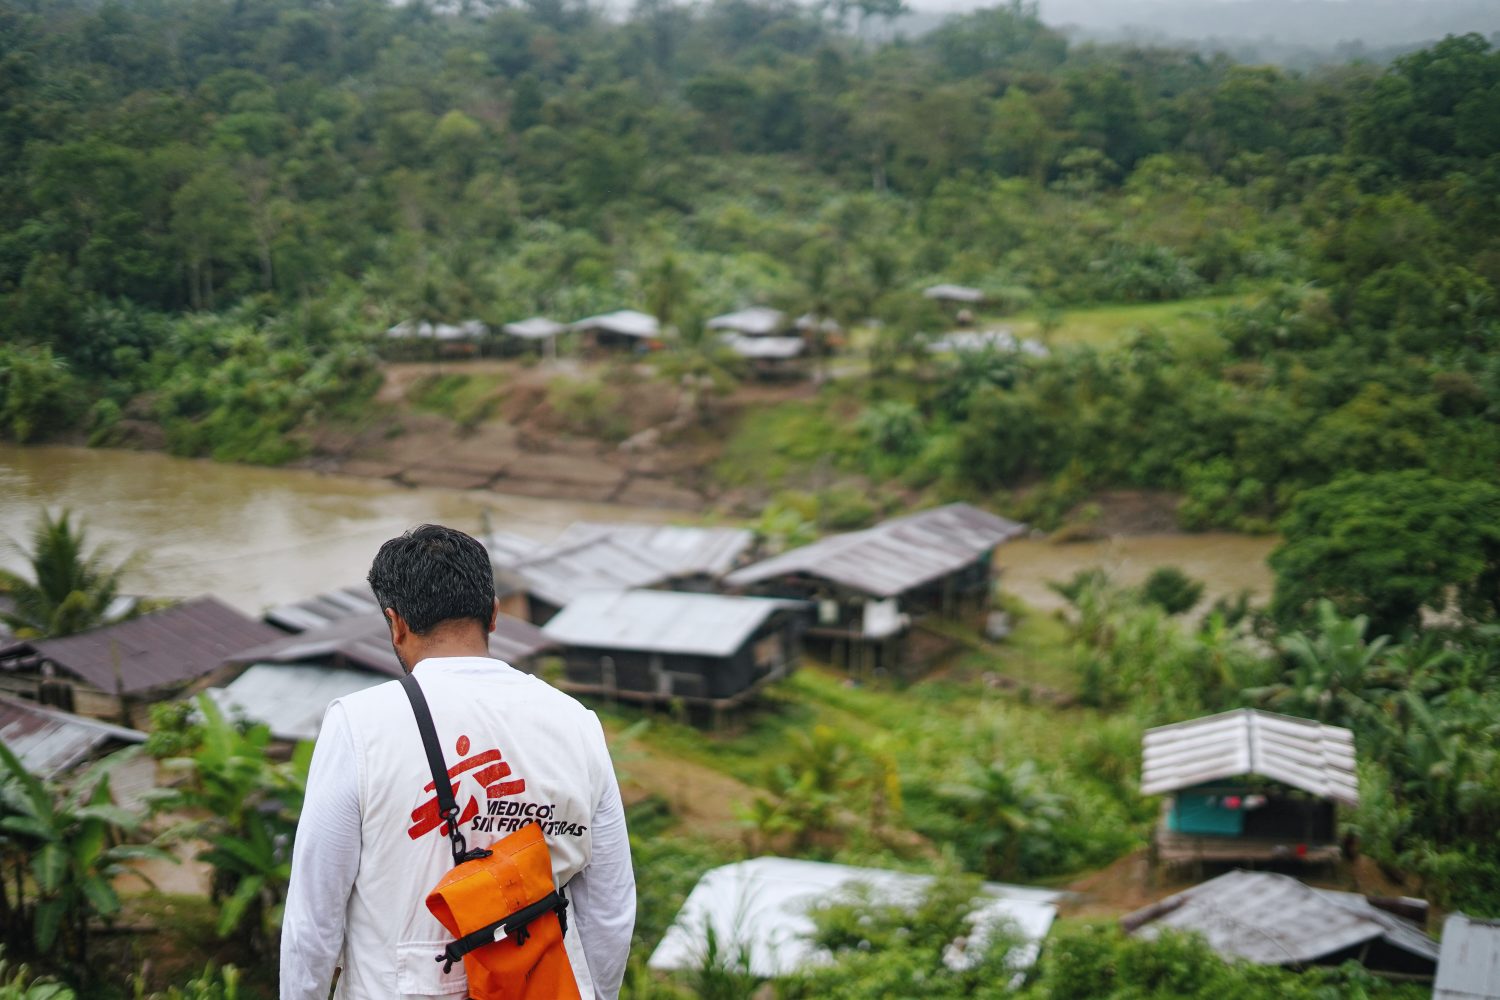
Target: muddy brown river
258,537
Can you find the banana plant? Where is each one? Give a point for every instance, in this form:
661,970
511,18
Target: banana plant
65,848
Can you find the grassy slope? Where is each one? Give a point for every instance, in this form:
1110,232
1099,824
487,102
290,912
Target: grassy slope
1101,326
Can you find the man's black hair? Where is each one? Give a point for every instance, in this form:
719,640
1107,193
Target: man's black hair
432,575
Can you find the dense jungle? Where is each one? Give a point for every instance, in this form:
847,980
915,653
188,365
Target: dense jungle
1268,302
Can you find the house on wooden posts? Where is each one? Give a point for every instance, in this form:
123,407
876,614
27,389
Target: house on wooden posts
288,683
660,647
760,336
625,329
873,589
1249,786
590,556
118,671
1273,919
53,744
1469,963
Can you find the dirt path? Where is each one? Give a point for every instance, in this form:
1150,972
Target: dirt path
705,801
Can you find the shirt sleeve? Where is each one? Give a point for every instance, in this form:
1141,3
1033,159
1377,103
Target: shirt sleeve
325,860
603,894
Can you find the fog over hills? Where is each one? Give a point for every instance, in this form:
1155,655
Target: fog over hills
1280,30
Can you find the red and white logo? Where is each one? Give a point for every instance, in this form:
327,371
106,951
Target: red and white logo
486,770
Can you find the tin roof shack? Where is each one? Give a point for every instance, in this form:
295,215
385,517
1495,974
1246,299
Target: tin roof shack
625,329
356,601
871,586
537,333
1469,964
290,681
1249,786
437,339
657,647
51,744
117,672
1272,919
761,909
591,556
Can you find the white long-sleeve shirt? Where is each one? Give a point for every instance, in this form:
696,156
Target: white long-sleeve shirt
338,891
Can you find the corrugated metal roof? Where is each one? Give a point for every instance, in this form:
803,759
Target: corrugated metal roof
895,556
683,550
1469,965
290,700
558,574
660,621
625,322
166,647
1274,919
505,548
1002,340
757,321
761,908
363,642
50,742
314,612
535,328
471,329
954,293
1308,755
764,347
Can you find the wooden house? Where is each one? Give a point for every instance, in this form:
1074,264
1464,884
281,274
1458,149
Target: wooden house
873,589
1249,786
660,647
118,671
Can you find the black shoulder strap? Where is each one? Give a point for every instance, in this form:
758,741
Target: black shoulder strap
447,805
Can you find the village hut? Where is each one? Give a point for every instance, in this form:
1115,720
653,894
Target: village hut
118,671
661,647
874,588
625,329
288,683
761,909
1273,919
592,556
757,321
538,332
959,294
440,338
53,744
1000,341
1469,962
1249,786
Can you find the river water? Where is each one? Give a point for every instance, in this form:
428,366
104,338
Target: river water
258,537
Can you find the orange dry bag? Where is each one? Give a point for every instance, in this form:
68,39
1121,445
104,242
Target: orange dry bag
506,914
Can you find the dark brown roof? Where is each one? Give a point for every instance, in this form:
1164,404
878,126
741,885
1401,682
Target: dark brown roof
364,643
168,647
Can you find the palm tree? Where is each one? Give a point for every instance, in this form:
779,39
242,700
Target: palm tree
70,588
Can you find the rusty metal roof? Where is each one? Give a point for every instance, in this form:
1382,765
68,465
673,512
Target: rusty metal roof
167,647
1314,757
1273,919
50,742
1469,966
290,699
660,621
363,642
894,556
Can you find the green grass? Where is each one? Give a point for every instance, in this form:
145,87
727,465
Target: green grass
1101,326
467,400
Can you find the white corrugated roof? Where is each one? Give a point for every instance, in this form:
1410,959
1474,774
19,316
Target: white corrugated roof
49,742
1469,965
290,699
894,556
467,330
625,322
761,907
684,550
558,574
660,621
1002,340
535,328
954,293
1274,919
757,321
1309,755
314,612
776,348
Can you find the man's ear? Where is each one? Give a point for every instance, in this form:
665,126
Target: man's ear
399,628
494,615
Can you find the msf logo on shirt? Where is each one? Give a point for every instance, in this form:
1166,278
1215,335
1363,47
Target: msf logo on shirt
487,770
